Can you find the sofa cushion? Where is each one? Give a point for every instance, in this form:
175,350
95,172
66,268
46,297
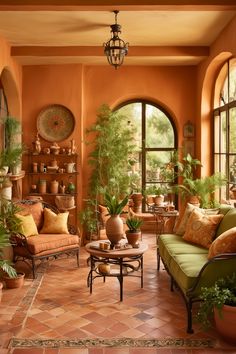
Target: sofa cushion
201,228
228,222
225,243
171,245
180,227
27,225
36,210
54,223
49,243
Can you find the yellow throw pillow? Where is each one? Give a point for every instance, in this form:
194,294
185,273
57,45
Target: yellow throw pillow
225,243
201,228
27,226
54,223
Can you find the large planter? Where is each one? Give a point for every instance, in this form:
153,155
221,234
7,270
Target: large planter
114,229
16,282
133,237
226,324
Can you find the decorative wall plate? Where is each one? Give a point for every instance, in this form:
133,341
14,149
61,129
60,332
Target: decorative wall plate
55,123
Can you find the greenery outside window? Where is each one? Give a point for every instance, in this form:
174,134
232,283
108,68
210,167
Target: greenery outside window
155,140
225,128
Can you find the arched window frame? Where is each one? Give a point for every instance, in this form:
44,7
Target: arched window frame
144,150
224,119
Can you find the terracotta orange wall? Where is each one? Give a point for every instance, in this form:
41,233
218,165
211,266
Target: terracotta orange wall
174,88
223,48
84,89
46,85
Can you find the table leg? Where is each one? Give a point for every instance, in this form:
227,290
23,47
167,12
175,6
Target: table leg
120,278
141,261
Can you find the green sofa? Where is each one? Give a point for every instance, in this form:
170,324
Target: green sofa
188,264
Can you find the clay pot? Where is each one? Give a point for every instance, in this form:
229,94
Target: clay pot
104,268
17,282
133,237
114,229
137,199
226,324
54,187
159,199
194,200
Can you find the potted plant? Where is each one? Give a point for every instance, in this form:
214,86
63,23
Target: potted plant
134,232
219,303
114,225
202,189
9,224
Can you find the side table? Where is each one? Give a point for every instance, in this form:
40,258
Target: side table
125,261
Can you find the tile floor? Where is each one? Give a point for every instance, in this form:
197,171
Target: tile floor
57,305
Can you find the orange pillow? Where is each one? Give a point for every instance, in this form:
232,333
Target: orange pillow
201,228
54,223
225,243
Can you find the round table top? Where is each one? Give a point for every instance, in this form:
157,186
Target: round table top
93,249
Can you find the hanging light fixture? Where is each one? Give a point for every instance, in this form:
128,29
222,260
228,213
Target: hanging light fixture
115,49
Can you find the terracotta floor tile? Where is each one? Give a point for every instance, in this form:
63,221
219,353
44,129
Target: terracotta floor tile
69,311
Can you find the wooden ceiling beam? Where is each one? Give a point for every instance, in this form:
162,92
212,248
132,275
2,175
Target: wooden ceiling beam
146,51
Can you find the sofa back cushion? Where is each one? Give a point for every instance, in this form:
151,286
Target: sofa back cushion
228,222
201,228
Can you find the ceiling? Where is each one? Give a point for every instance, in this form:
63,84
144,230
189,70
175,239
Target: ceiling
158,32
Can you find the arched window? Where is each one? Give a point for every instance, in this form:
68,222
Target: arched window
3,113
225,127
155,139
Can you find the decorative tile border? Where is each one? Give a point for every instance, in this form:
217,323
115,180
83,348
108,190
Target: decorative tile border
119,342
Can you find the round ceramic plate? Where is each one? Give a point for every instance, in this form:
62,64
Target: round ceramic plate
55,123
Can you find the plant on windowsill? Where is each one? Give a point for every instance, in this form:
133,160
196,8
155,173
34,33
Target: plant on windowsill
134,232
219,303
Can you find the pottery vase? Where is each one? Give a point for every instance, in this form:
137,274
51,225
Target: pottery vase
114,229
137,200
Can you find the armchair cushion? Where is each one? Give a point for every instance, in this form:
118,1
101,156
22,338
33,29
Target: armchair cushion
54,223
27,226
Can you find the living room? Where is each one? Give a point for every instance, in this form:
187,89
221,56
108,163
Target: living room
52,54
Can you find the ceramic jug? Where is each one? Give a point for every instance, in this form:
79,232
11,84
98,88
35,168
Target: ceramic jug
70,167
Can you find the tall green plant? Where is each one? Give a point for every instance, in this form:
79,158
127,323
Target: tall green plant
113,146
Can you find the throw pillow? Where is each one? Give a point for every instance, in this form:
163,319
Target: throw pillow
225,243
36,209
182,223
54,223
27,225
201,228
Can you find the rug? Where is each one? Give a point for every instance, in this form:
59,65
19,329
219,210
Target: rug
180,343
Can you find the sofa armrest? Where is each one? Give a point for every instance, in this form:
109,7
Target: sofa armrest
217,267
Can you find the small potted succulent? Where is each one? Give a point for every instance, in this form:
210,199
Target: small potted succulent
219,303
134,232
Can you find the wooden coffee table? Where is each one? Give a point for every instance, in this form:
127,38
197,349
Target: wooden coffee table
123,262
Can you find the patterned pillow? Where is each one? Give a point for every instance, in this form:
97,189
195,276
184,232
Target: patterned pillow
182,222
54,223
201,228
225,243
27,225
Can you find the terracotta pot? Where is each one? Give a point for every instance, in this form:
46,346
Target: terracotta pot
133,237
114,229
17,282
137,200
159,199
194,200
226,325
